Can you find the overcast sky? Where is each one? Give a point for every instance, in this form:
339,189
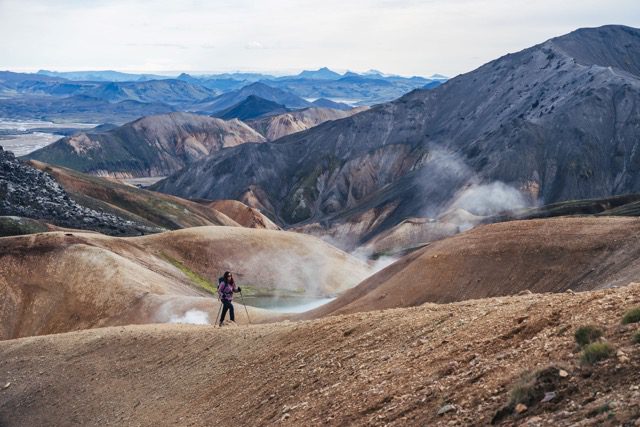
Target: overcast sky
408,37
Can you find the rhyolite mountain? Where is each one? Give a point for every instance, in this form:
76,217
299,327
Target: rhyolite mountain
251,107
150,146
273,127
557,121
261,90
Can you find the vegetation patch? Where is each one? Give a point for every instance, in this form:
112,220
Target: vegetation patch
631,316
636,338
15,226
196,278
587,334
530,390
597,351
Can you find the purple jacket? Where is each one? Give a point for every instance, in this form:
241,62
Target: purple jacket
226,290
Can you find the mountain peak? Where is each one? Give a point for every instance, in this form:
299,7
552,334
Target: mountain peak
615,46
323,73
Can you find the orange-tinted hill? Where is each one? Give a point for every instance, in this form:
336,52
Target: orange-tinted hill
551,255
63,281
242,214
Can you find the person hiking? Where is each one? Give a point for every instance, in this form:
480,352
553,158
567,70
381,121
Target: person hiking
226,288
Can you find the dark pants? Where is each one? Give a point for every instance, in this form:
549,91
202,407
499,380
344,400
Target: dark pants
226,305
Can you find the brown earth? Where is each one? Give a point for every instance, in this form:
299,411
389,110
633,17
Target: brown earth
551,255
393,367
62,281
243,214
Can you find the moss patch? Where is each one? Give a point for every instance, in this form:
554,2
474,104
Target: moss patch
195,278
631,316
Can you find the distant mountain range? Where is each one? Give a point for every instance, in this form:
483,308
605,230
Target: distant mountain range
102,76
98,96
554,122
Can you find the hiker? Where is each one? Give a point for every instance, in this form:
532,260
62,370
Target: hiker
226,288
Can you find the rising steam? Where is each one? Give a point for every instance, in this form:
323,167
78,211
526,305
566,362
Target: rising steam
192,317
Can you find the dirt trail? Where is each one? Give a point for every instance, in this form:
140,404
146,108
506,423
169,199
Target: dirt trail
392,367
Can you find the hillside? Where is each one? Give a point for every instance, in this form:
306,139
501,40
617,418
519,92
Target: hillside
31,194
536,121
551,255
158,211
63,281
150,146
277,126
395,367
243,214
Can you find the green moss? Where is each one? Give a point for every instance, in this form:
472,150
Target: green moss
587,334
197,279
596,352
15,226
631,316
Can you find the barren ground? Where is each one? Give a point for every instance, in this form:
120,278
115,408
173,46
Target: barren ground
392,367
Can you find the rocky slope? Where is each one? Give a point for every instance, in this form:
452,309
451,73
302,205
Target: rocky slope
158,211
28,192
551,255
455,364
554,122
277,126
150,146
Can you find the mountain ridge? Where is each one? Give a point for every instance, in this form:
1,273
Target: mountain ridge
500,122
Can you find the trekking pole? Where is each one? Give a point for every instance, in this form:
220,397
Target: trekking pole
219,310
245,307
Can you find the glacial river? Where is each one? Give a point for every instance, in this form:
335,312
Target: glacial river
24,137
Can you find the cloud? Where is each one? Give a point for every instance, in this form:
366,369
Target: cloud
255,45
454,36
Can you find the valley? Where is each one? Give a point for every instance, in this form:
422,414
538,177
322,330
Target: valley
407,250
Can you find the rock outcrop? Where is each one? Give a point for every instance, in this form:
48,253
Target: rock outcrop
28,192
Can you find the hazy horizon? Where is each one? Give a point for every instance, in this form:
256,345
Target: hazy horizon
404,37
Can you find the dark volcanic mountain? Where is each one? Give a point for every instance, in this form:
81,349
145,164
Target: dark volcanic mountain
261,90
150,146
251,108
557,121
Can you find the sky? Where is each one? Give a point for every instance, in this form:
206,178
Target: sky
406,37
